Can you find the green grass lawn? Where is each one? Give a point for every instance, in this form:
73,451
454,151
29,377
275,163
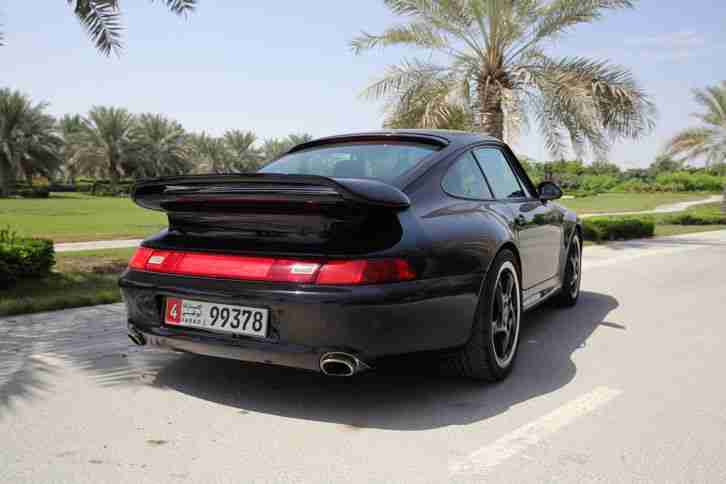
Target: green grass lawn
84,278
74,217
662,230
627,202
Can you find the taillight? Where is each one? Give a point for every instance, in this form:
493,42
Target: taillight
345,272
138,261
371,271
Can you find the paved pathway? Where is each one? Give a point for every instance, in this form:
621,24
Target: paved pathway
625,387
96,245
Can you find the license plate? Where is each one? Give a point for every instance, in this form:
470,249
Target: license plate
223,318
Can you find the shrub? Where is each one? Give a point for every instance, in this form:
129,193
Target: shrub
634,186
598,183
694,219
62,188
689,182
601,229
23,258
34,192
707,214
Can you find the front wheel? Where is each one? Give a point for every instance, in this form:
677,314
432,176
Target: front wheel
570,291
490,353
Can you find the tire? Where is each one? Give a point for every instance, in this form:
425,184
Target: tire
570,291
490,353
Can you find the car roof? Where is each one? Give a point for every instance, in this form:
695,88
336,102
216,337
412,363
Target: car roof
441,137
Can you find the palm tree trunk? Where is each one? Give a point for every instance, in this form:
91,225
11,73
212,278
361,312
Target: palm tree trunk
6,179
491,115
7,175
113,170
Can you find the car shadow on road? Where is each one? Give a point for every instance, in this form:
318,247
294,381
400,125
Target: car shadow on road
400,401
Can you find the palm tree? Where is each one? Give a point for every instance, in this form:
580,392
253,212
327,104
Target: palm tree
211,153
106,139
102,20
158,146
707,141
275,147
28,141
246,157
496,69
71,131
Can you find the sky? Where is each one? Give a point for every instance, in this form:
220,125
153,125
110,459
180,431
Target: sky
286,67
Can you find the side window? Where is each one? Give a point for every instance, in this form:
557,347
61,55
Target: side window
464,179
501,178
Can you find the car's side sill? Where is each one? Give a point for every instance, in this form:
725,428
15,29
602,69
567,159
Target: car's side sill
535,299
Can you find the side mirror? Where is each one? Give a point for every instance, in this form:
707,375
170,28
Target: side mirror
548,190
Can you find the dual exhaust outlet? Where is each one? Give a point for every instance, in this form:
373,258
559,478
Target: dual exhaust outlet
334,363
337,363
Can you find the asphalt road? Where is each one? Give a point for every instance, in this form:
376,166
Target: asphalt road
629,386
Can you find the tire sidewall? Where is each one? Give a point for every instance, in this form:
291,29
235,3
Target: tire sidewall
485,314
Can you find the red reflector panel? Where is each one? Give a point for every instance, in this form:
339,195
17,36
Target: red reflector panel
234,267
138,260
374,271
347,272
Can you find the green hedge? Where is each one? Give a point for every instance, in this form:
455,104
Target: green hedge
708,214
23,258
602,229
35,192
682,181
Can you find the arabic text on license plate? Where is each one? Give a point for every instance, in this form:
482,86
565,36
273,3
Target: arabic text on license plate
216,317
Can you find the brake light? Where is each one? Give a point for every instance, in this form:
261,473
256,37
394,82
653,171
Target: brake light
371,271
138,260
346,272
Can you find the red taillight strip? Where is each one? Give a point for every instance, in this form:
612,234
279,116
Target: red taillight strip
343,272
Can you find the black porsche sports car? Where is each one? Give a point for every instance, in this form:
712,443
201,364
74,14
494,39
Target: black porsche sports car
351,249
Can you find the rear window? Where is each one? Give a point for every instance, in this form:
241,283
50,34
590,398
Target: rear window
382,161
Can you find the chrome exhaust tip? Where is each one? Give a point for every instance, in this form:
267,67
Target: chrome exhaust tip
341,364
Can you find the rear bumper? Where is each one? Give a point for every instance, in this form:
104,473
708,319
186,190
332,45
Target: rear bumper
244,350
370,322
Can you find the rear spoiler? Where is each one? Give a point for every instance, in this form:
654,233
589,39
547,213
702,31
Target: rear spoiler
170,194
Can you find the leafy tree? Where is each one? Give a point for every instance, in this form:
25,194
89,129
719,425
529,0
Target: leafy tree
245,156
106,139
28,140
707,141
496,68
275,147
158,146
102,20
71,131
665,164
421,109
212,154
602,167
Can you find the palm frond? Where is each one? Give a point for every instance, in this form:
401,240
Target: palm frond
595,101
560,15
401,78
415,33
180,7
102,21
713,99
707,141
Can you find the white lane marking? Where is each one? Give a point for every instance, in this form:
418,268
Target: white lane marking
482,460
